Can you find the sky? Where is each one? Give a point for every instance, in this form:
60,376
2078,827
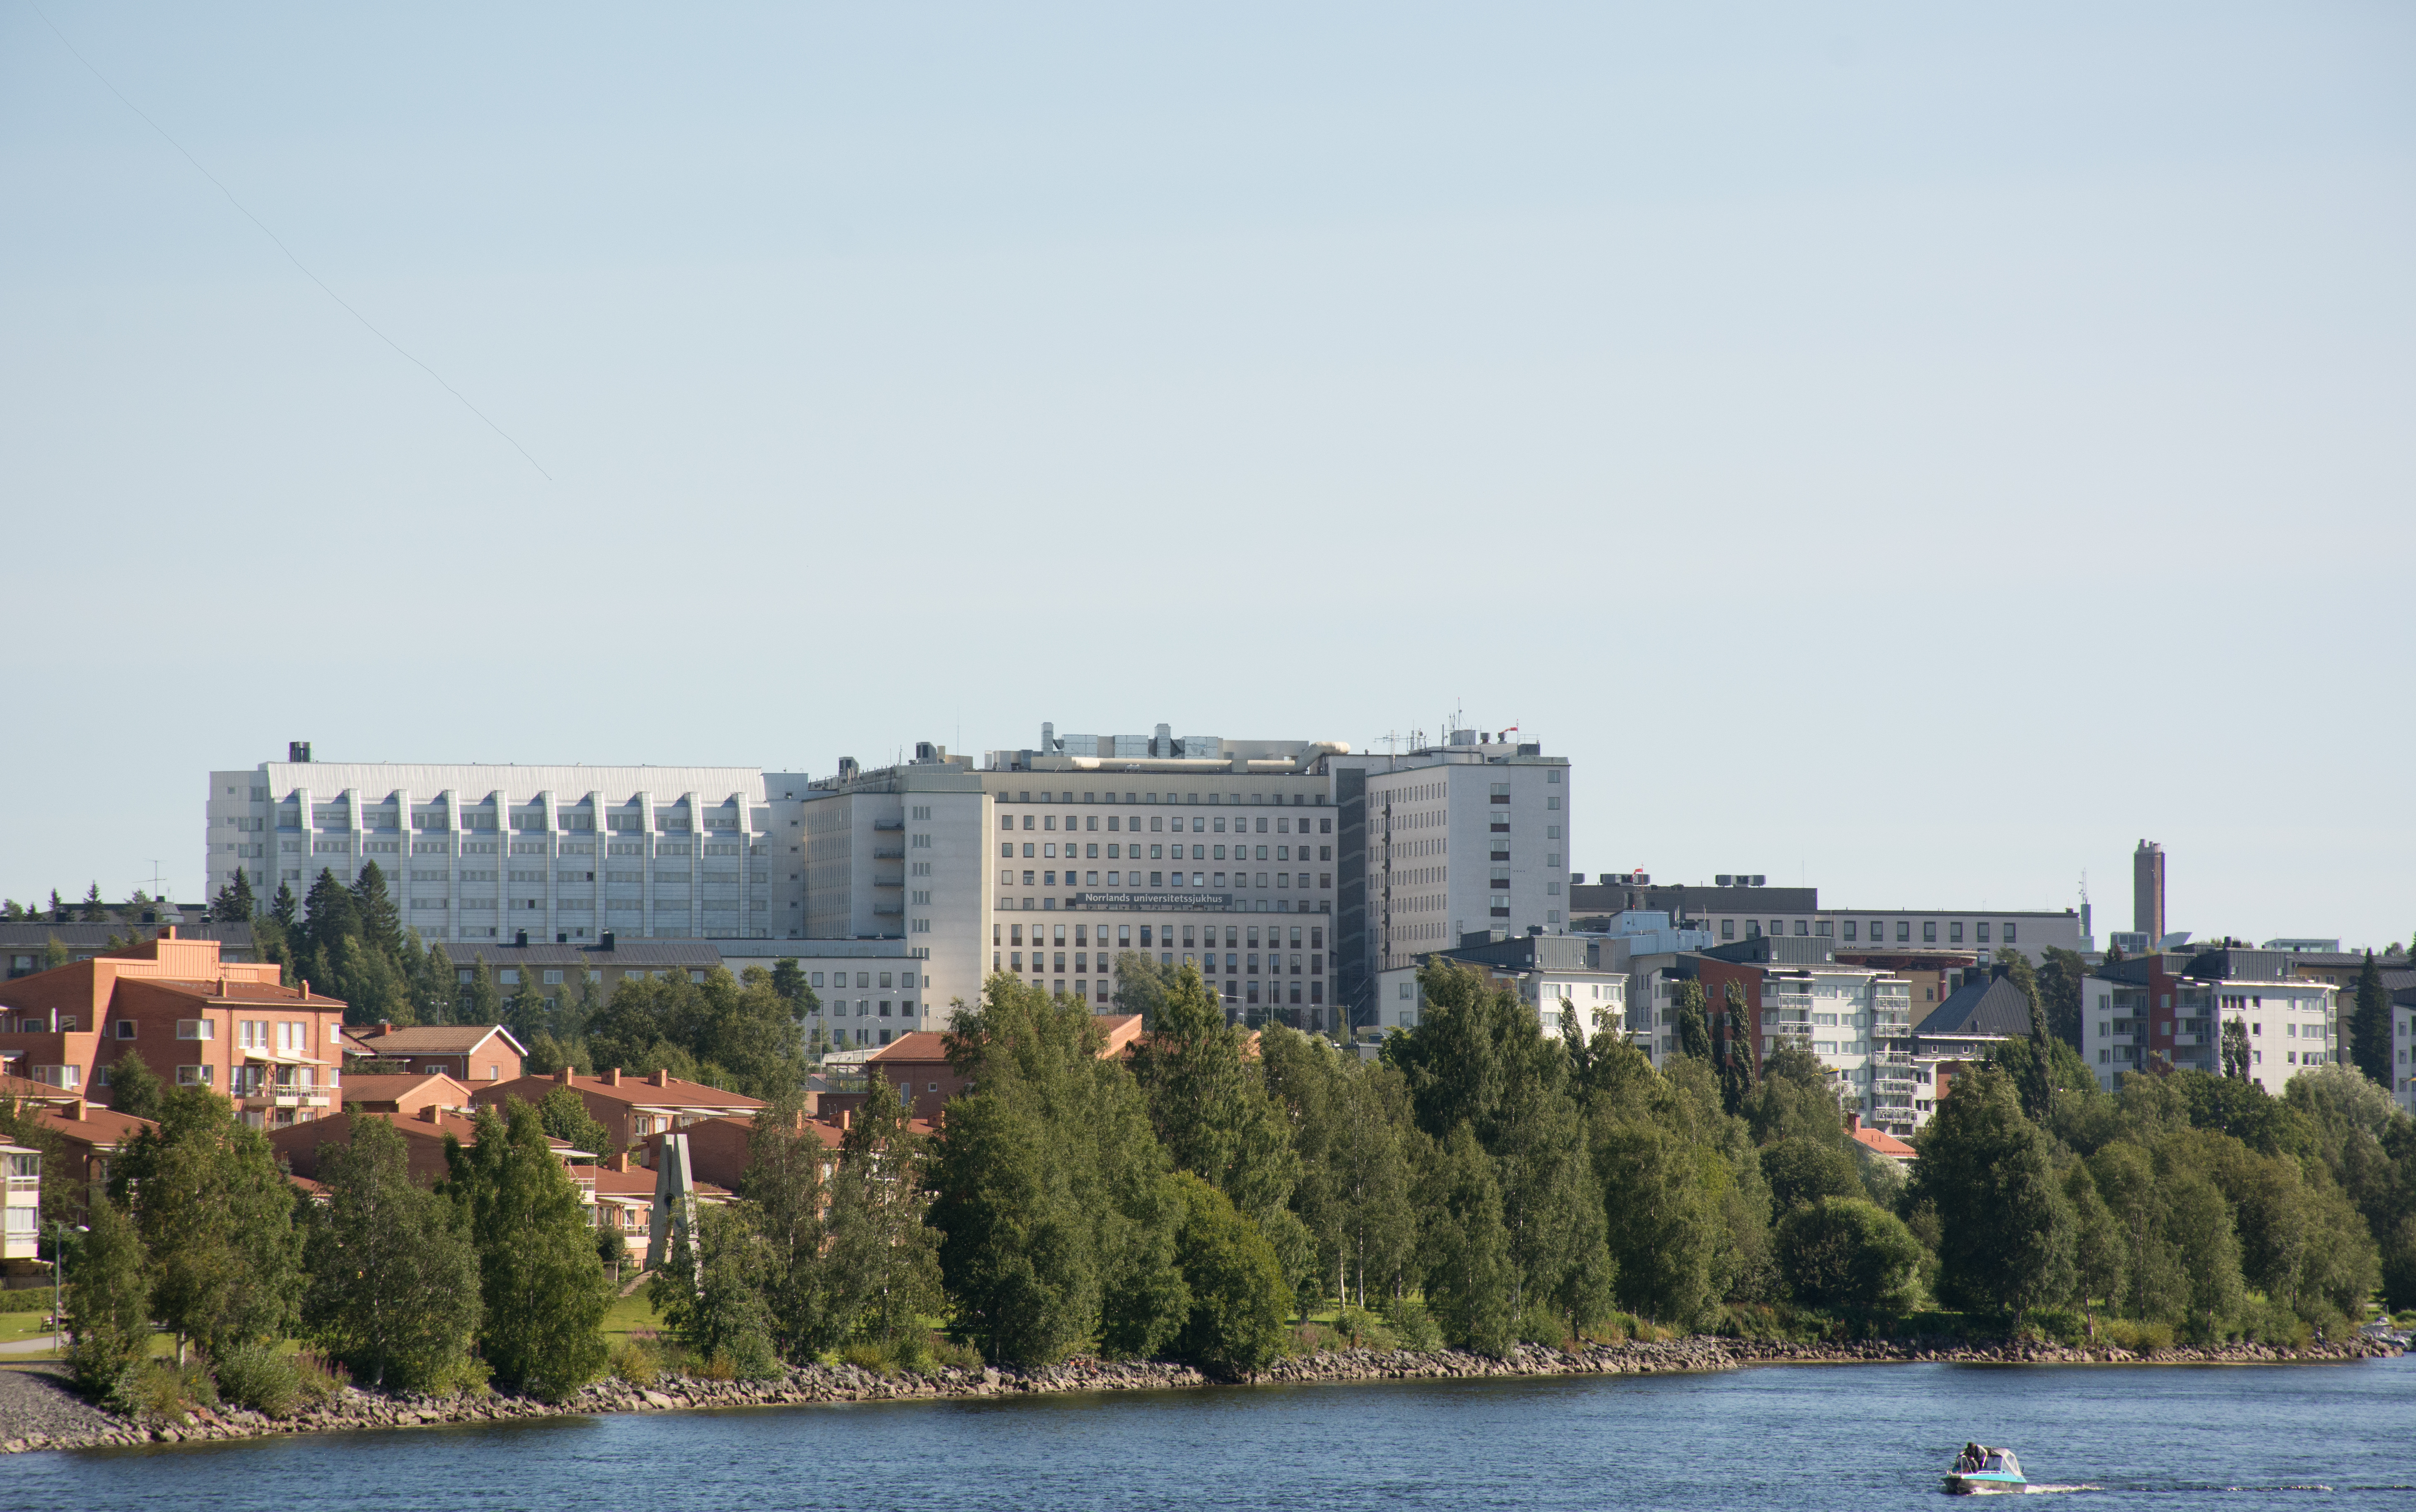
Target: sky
1914,450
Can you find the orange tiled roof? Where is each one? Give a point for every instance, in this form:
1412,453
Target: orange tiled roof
1881,1143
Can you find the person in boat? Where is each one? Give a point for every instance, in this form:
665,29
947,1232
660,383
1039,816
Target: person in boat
1972,1459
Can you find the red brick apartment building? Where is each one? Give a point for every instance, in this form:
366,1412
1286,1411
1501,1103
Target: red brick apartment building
193,1017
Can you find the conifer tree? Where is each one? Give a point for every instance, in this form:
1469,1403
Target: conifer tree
1209,1104
2369,1025
1990,1175
1736,1053
95,911
233,903
109,1299
328,917
375,918
283,909
393,1290
1694,1020
541,1286
481,1003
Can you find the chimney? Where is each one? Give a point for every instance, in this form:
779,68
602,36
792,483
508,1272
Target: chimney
432,1113
846,1119
660,1079
564,1075
74,1111
608,940
385,1026
1853,1122
611,1077
168,934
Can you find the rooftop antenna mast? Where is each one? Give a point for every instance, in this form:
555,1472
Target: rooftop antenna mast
157,896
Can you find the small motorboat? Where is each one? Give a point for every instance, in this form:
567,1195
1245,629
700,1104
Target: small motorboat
1980,1470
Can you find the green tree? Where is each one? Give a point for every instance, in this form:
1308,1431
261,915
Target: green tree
1479,1056
109,1300
883,1262
133,1089
1046,1181
529,1012
1988,1171
94,909
1847,1254
2369,1026
1470,1281
1734,1050
54,952
712,1296
2153,1285
2199,1223
1801,1172
1667,1184
1694,1020
2061,975
1237,1287
783,1187
564,1115
329,918
1349,1127
789,982
233,903
481,1003
2235,1049
374,915
1209,1104
283,910
542,1284
2099,1253
215,1214
393,1290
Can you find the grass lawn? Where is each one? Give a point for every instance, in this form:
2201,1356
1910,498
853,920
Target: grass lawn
628,1312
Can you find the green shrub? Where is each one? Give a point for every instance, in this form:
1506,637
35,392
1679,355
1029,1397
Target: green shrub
1847,1253
2264,1322
319,1378
163,1391
1362,1329
635,1363
2067,1326
1411,1323
2139,1338
258,1376
26,1299
869,1354
1540,1324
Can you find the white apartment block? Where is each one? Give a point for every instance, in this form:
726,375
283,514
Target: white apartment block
562,854
1046,862
2171,1009
1441,843
2403,1050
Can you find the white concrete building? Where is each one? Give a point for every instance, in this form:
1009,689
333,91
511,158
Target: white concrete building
1739,908
1048,861
1550,974
2170,1010
1439,843
560,853
20,1202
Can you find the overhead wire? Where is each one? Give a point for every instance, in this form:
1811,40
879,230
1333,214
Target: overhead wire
365,324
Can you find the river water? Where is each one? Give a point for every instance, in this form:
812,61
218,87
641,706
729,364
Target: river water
1800,1438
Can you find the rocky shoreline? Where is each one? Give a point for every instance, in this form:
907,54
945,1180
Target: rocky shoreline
38,1411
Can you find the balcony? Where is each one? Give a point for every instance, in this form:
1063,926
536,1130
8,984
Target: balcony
898,881
889,853
888,824
888,910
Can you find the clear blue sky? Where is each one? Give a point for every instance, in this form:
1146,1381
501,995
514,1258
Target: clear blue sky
1918,449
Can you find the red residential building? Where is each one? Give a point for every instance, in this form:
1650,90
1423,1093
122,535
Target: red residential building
195,1018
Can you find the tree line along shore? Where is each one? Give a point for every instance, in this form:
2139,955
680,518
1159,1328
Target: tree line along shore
1227,1199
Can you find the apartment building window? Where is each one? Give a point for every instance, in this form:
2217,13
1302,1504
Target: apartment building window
1728,929
1955,931
1804,925
196,1076
1981,934
197,1029
2009,932
1929,932
1903,932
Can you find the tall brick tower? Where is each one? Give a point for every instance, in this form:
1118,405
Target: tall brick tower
2148,891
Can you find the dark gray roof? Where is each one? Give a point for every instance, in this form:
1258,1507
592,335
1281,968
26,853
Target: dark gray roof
1995,1006
96,936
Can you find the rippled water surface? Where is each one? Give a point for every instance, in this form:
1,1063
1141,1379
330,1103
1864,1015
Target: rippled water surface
1799,1437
